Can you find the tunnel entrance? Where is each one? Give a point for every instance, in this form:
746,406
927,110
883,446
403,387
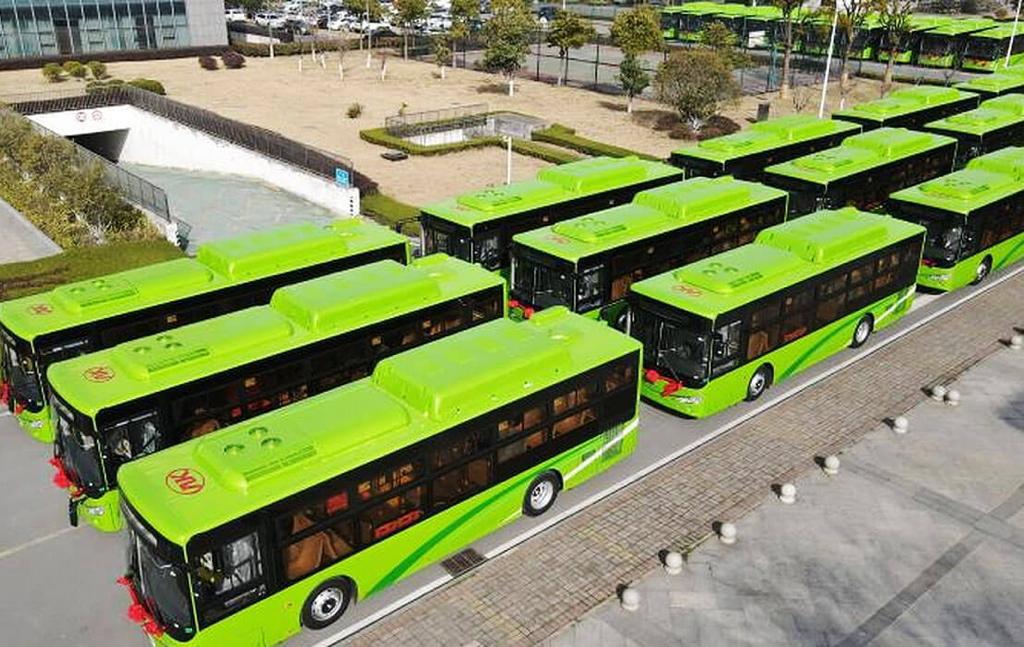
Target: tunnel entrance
107,144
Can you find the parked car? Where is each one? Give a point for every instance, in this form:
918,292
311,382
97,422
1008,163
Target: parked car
236,14
270,19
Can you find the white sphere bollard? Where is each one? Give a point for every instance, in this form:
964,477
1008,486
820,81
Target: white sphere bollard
938,392
630,599
900,424
787,493
673,563
953,398
831,466
1017,342
727,534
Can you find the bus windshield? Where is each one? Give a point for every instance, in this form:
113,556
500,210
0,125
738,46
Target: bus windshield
542,285
936,44
161,586
942,242
987,49
19,367
76,447
677,345
446,238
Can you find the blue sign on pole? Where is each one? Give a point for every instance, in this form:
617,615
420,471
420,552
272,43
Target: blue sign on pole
341,177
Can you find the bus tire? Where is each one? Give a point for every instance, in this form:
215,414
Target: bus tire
326,603
863,330
759,382
541,494
982,270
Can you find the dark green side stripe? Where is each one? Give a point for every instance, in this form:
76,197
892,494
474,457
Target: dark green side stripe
1010,254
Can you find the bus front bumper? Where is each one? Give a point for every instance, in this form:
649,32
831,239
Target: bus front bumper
103,514
936,278
37,425
689,402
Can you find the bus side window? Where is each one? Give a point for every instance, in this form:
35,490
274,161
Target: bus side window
392,515
727,342
463,481
764,329
232,574
831,300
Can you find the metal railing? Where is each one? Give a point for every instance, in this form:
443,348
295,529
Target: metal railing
419,123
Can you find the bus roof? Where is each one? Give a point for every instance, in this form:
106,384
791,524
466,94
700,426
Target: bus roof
961,192
218,264
781,255
652,212
1009,161
994,113
766,135
410,397
708,8
999,32
994,83
903,102
858,153
553,185
298,314
959,26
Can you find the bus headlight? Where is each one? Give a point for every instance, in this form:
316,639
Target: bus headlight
36,424
94,510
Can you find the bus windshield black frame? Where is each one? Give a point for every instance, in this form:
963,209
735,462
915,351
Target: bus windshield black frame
665,333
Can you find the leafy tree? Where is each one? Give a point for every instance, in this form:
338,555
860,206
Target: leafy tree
442,51
632,78
720,39
463,14
508,38
409,12
569,31
251,6
895,18
637,31
697,83
852,15
788,8
370,9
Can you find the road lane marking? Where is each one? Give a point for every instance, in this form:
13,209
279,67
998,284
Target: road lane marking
4,554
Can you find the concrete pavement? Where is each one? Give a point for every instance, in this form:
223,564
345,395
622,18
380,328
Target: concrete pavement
21,241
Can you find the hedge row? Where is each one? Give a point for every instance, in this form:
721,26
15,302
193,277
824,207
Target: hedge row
381,137
33,277
388,211
544,152
564,136
291,49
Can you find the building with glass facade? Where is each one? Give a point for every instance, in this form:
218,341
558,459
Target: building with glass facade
34,28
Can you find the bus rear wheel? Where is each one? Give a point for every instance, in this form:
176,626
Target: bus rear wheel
759,382
862,331
982,271
541,494
326,603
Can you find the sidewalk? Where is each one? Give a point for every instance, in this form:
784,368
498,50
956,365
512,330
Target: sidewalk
21,240
918,540
550,581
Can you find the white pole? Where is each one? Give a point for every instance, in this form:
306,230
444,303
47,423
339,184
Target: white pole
508,161
270,30
828,61
1009,48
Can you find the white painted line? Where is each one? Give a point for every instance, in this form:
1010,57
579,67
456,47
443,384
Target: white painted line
665,460
5,412
4,554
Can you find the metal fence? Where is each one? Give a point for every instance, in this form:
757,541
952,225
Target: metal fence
420,123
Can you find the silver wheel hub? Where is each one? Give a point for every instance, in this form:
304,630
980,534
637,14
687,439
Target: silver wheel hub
981,272
326,604
757,383
862,331
541,495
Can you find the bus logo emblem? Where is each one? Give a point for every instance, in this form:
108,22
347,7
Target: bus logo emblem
185,480
99,374
688,290
40,309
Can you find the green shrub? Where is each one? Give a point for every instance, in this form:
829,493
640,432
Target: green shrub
544,152
232,60
260,50
99,86
381,137
53,72
208,63
149,85
75,69
388,211
564,136
354,110
97,69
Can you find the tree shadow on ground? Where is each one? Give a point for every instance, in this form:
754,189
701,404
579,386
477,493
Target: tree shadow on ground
614,106
493,87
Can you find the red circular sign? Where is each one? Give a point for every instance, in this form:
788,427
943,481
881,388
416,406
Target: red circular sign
40,309
99,374
80,115
185,480
687,289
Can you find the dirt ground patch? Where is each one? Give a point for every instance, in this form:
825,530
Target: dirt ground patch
310,106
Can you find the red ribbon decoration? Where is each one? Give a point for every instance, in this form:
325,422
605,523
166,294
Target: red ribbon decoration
137,612
5,393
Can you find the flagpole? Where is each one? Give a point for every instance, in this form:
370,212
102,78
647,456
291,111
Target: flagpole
828,61
1009,48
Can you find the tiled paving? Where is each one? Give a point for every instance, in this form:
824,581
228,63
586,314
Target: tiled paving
547,583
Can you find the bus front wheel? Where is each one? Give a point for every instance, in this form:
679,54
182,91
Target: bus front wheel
759,382
326,603
862,331
982,271
541,494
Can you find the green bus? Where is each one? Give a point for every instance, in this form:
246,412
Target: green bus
867,39
998,123
910,107
863,170
478,227
247,536
226,276
909,46
994,85
760,26
588,263
974,217
726,328
142,396
694,17
943,46
745,154
985,51
670,22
